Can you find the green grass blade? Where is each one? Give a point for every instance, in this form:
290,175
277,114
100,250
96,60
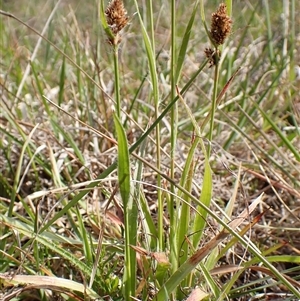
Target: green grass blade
206,194
123,163
183,219
62,82
210,281
205,198
282,135
269,30
149,46
87,247
15,190
130,211
185,43
49,240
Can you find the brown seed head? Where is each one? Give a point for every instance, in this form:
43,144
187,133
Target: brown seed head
213,56
220,25
117,19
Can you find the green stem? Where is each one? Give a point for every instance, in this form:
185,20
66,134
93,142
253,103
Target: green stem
117,81
269,30
174,121
214,103
157,135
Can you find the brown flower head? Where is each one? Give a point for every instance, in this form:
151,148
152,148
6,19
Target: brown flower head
220,25
117,19
213,56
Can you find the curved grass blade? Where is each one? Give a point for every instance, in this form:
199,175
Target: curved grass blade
130,210
185,42
49,283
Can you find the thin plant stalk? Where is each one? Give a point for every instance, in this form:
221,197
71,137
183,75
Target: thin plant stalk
220,30
269,30
174,121
154,81
114,18
117,81
213,106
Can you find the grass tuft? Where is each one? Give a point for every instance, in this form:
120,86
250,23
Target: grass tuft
149,154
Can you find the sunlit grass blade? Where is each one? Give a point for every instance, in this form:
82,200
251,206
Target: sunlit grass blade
269,30
84,237
62,82
18,171
185,43
123,163
150,51
184,216
205,198
148,226
210,282
130,211
48,282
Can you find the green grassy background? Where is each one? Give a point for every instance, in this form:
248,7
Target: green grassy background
137,238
